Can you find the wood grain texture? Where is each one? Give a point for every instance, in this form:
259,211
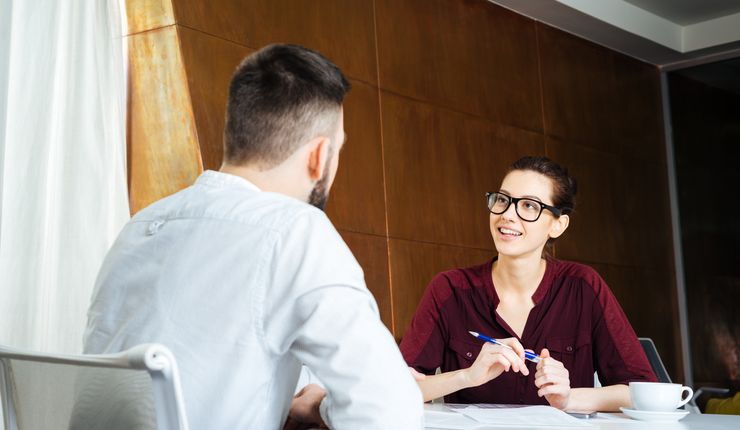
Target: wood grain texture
578,90
638,114
209,63
372,253
143,15
414,264
163,153
357,200
439,165
616,196
341,30
447,93
471,56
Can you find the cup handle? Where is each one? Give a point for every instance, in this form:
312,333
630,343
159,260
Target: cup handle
685,400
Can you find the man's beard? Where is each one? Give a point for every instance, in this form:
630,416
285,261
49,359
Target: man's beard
320,194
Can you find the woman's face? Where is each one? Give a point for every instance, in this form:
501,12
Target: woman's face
514,237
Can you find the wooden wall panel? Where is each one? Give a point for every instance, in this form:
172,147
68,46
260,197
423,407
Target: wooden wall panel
471,56
143,15
414,264
577,89
357,201
447,93
439,165
618,207
341,30
638,130
208,82
163,153
646,207
372,253
597,230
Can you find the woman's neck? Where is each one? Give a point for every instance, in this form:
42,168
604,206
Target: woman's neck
518,275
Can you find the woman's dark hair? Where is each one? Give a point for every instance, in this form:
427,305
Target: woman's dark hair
564,187
280,97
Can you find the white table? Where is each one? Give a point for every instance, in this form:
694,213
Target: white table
690,422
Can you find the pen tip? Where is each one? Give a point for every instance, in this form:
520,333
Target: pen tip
474,333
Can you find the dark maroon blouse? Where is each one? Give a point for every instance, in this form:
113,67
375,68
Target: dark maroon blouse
575,316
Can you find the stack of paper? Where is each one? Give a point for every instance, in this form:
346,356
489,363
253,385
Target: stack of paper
476,417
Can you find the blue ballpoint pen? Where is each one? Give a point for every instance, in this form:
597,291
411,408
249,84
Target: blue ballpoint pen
531,356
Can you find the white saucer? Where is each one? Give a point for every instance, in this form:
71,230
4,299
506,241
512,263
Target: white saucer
655,416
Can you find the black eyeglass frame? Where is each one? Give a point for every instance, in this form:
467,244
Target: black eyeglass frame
514,200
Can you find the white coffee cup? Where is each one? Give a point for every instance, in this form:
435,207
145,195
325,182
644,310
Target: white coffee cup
659,396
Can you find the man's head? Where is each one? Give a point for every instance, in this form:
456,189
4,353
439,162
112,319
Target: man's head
282,98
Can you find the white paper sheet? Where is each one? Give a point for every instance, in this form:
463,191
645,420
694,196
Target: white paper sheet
448,420
528,416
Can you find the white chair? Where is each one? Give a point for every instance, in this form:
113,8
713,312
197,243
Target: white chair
137,389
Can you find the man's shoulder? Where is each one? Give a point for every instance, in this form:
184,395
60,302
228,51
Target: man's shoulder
235,205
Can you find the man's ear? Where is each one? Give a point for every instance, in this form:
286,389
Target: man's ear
559,226
318,156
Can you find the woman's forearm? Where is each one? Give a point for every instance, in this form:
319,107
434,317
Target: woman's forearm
435,386
599,399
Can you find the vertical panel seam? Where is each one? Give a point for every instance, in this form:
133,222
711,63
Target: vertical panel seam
383,165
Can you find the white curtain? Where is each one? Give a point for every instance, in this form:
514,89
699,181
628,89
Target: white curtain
63,195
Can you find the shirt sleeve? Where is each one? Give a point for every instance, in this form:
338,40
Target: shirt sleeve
323,314
618,355
424,341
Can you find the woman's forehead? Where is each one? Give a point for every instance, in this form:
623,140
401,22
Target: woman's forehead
521,183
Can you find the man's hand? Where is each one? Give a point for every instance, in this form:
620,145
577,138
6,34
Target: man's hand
553,381
493,360
304,409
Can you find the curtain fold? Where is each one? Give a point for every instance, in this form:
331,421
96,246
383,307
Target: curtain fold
63,196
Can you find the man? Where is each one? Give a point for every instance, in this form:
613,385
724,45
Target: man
244,281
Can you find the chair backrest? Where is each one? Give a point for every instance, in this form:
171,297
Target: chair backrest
654,358
137,389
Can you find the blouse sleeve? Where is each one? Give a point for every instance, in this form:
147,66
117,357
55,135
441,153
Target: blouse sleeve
618,355
424,341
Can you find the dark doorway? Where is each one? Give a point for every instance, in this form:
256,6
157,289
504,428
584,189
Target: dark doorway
705,116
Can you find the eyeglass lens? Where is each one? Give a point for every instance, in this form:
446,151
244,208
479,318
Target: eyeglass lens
527,209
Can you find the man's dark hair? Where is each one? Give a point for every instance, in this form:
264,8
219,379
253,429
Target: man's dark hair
280,97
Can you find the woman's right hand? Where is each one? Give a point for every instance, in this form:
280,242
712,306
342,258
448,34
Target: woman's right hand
494,359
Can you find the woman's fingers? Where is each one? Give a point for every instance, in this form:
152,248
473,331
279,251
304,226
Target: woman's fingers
515,345
512,360
557,389
549,379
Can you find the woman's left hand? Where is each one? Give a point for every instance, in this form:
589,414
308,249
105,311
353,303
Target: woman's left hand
553,381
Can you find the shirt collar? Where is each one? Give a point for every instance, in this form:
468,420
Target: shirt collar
221,179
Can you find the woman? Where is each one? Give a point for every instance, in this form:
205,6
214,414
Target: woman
525,299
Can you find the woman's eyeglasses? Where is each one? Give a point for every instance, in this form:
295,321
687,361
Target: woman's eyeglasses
527,209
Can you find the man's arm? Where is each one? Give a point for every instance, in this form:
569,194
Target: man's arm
342,340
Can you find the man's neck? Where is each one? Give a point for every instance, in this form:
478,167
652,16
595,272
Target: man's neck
274,180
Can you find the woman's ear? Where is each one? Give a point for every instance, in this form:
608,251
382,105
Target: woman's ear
559,226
